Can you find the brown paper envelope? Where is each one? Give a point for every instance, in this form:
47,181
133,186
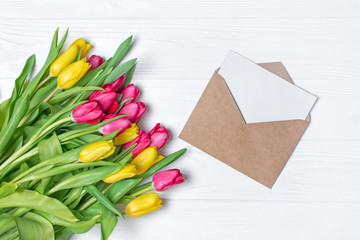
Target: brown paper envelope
259,150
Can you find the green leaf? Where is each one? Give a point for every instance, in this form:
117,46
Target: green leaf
7,222
65,95
120,70
125,200
85,178
4,106
19,82
20,110
120,52
102,199
49,147
31,226
128,76
65,168
42,93
11,234
37,201
17,144
64,234
8,189
108,223
88,138
73,195
57,115
119,189
76,227
37,112
163,163
53,53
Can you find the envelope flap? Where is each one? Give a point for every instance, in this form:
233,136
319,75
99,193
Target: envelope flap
261,95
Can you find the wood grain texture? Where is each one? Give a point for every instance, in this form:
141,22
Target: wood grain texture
179,45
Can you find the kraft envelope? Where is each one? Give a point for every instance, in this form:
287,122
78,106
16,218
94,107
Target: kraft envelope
260,150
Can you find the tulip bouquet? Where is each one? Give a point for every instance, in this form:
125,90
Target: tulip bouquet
71,150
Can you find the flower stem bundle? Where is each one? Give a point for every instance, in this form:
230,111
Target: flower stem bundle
71,150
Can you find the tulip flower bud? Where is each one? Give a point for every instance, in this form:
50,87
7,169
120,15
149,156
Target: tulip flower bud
142,142
143,204
113,107
118,83
134,110
81,44
130,92
121,123
72,74
95,62
63,60
128,135
159,136
166,179
107,117
105,99
127,171
97,151
146,159
107,87
87,112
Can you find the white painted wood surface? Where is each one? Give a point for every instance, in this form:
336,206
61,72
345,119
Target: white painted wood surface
179,44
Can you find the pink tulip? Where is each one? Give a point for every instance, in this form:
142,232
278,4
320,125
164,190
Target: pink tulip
121,123
130,92
159,136
107,87
113,107
105,99
166,179
118,83
95,121
95,62
134,110
142,141
107,117
86,112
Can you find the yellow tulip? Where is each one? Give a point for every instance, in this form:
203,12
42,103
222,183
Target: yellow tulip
143,204
97,151
81,44
146,159
128,135
72,74
127,171
68,56
64,60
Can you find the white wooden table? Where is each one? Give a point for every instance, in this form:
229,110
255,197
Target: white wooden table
179,44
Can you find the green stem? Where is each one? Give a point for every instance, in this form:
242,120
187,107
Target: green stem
55,124
51,94
42,82
23,121
77,135
93,200
142,189
31,143
19,160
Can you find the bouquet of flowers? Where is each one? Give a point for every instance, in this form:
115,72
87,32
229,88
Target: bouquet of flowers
71,150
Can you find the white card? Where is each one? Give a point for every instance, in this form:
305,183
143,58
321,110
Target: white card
261,95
